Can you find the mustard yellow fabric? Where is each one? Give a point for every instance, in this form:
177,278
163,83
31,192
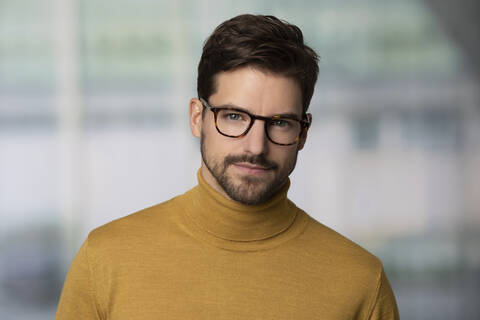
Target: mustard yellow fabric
202,256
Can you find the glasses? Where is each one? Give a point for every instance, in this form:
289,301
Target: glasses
235,123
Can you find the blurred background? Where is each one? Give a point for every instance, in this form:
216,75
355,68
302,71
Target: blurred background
94,126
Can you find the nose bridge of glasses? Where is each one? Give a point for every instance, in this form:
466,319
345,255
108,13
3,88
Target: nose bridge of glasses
261,126
264,123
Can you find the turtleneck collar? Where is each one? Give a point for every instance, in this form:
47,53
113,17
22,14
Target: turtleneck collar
224,219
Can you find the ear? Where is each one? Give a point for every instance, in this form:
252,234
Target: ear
195,111
303,137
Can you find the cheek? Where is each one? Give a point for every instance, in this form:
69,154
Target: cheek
284,157
214,143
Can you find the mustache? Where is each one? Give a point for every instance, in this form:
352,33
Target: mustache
260,160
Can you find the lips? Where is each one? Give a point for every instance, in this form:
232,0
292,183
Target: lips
251,168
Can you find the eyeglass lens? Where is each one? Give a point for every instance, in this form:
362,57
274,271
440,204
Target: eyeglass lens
235,123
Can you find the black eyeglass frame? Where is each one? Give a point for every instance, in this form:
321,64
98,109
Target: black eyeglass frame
304,124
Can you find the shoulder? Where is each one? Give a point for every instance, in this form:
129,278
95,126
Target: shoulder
135,231
336,250
353,275
140,219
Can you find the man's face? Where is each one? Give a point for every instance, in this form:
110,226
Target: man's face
249,169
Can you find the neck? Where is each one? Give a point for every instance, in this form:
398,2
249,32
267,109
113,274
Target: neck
230,220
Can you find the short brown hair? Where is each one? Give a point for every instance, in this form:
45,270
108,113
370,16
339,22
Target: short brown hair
263,42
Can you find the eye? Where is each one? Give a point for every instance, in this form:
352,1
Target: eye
233,116
281,123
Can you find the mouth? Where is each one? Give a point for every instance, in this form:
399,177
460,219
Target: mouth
250,168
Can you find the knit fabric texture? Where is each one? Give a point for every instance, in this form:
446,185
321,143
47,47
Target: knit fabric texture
202,256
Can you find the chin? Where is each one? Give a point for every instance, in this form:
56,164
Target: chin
250,190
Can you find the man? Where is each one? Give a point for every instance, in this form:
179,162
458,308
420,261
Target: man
234,247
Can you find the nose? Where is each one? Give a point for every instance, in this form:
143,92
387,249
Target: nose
256,141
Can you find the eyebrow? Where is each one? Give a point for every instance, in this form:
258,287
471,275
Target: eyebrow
286,115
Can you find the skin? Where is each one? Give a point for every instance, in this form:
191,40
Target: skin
250,169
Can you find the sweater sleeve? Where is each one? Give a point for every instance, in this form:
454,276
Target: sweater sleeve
384,306
77,300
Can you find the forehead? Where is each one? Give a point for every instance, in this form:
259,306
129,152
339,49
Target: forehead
259,92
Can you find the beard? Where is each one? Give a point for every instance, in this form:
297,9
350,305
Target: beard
248,189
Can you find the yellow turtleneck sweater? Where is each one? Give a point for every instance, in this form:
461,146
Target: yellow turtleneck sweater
202,256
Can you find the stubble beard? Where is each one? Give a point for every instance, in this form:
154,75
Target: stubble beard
249,190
